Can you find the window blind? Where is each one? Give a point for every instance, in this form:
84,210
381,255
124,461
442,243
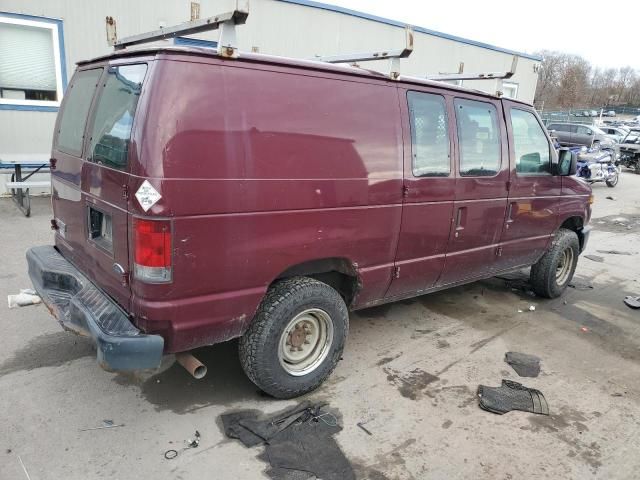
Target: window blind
26,58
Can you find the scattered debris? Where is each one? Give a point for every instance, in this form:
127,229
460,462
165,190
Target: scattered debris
191,443
632,302
584,329
615,252
24,468
27,296
299,441
580,286
532,308
519,311
594,258
105,424
512,396
525,365
609,197
363,428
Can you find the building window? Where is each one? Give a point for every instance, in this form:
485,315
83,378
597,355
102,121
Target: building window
509,90
31,63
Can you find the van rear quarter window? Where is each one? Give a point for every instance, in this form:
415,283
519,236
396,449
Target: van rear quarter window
76,108
111,131
478,137
429,135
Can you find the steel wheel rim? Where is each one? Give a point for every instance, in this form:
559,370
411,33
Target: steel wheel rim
563,269
305,342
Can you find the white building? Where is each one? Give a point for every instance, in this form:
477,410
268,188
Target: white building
41,40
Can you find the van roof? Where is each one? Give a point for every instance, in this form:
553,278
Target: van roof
288,61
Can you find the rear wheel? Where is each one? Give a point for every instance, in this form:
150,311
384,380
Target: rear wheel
296,337
553,272
612,181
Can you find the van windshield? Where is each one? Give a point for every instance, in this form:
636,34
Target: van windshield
113,120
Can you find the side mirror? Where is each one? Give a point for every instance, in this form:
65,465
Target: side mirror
567,163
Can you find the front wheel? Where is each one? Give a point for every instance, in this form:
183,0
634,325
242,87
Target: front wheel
553,272
296,337
613,180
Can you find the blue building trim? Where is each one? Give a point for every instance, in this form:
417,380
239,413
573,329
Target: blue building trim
395,23
63,59
194,42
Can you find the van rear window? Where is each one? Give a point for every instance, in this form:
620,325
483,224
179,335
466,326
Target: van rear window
76,107
113,119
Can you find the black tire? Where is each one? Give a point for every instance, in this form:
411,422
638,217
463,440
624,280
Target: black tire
613,182
543,274
259,347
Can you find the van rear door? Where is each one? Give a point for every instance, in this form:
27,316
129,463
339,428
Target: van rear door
90,178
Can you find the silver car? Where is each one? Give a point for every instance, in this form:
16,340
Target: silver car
572,134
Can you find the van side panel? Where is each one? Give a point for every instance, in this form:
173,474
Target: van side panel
263,168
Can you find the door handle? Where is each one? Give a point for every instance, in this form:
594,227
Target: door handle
510,209
461,220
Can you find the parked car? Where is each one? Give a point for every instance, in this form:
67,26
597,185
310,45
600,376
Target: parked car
614,133
269,206
571,134
610,113
594,113
630,151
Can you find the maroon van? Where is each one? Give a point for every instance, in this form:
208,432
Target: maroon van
198,199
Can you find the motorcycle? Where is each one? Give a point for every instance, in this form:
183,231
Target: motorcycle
597,165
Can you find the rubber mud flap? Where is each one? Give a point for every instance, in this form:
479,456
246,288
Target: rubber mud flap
512,396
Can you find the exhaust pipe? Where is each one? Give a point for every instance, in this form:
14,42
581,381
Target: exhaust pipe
192,365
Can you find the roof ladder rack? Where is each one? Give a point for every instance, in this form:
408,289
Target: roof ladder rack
225,22
393,55
498,76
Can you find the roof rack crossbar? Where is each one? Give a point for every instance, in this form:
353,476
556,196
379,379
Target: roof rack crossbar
476,76
393,55
225,22
498,76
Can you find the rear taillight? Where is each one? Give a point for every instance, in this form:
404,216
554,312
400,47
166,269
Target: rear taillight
152,250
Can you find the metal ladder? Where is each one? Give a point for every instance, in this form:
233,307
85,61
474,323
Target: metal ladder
225,22
228,46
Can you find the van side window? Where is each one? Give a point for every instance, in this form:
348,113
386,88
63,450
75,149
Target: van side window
429,135
478,137
74,114
530,144
114,115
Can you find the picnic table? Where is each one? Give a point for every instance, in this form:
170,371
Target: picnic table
20,184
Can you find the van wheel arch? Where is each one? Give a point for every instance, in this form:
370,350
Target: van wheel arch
339,273
575,224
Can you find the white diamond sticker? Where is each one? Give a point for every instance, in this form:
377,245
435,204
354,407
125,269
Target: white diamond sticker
147,195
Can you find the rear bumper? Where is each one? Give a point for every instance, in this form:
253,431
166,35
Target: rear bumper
81,307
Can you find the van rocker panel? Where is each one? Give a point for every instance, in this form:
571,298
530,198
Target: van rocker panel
82,308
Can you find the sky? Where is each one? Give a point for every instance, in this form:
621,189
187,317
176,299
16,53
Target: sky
606,34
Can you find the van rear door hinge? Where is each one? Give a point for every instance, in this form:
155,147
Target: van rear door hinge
405,191
125,192
396,272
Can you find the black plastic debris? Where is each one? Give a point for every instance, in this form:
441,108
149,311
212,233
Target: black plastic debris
524,364
594,258
615,252
298,441
632,302
581,286
512,396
